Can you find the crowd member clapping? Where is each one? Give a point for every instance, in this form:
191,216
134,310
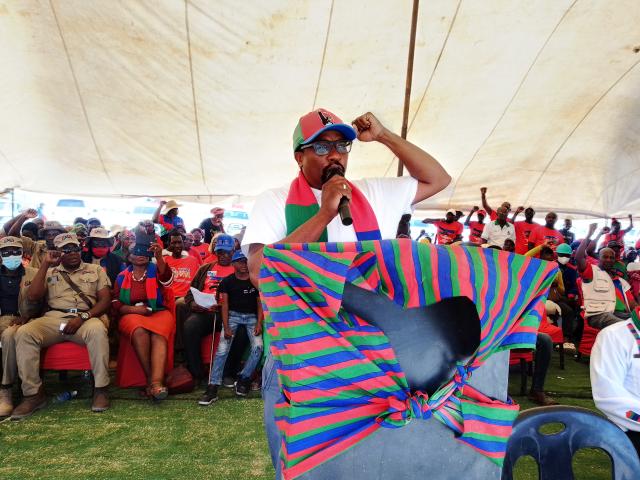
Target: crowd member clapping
607,297
167,215
546,234
139,299
449,230
200,322
199,247
496,232
98,251
493,214
211,226
476,228
524,228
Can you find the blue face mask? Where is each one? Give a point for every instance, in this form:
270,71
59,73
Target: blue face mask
12,262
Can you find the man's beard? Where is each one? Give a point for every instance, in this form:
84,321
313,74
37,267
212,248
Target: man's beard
331,170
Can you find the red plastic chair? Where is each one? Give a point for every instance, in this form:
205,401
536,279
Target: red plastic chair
129,372
524,358
205,348
65,356
589,333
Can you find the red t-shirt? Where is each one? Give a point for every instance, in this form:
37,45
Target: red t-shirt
618,237
447,232
475,231
542,234
184,269
523,233
195,254
202,249
215,274
494,216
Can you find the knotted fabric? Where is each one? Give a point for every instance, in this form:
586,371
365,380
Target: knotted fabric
339,376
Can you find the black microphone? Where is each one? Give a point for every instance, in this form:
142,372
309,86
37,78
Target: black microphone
343,207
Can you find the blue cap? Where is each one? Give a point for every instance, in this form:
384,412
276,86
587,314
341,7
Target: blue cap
225,242
237,256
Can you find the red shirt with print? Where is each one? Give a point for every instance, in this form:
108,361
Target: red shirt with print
618,237
184,269
214,276
202,249
447,232
542,234
523,233
475,232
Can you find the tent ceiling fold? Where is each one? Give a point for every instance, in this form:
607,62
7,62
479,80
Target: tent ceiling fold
539,101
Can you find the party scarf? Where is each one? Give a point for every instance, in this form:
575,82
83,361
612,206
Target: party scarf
151,285
302,205
339,375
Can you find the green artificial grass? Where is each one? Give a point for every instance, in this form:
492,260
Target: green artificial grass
180,439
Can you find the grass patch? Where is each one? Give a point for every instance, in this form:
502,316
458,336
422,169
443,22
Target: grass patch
180,439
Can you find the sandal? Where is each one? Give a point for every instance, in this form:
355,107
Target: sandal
157,391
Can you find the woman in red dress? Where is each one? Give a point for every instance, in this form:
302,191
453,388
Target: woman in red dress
141,300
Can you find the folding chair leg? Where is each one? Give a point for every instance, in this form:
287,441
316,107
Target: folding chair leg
523,377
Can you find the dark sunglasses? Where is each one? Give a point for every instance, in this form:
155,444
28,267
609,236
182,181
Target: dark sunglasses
72,249
323,147
10,253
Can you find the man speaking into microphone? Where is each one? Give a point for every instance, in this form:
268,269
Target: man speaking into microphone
307,211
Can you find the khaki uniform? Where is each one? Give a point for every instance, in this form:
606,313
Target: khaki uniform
7,332
45,331
39,251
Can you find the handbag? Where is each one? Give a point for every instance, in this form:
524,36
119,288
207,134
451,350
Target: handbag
179,380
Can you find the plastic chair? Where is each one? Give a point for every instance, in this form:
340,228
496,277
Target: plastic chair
129,372
205,348
65,356
554,453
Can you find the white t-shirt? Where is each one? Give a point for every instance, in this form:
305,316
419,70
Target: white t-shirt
494,234
615,374
389,198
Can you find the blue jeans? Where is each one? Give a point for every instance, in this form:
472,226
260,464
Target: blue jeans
248,320
271,394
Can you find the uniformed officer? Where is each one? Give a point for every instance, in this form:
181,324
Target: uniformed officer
14,311
50,230
77,294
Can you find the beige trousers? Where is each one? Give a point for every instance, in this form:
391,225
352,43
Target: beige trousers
45,331
9,366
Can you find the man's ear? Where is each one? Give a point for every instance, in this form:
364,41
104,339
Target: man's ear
298,157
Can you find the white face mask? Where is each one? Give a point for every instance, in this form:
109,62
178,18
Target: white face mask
12,262
563,260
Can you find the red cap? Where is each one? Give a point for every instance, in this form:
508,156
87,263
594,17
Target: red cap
314,123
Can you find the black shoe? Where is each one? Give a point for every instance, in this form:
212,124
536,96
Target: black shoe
228,382
243,385
209,396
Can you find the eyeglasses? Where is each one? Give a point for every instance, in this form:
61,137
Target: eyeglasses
323,147
10,253
73,249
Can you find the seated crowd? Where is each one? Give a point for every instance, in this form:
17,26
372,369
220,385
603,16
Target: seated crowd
85,284
159,292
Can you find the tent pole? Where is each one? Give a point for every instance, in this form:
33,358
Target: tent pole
407,89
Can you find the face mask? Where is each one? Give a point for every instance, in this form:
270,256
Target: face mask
12,262
563,260
100,252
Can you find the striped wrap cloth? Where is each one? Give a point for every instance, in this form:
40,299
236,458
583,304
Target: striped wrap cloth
339,376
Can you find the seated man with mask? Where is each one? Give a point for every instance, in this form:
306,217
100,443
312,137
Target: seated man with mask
14,311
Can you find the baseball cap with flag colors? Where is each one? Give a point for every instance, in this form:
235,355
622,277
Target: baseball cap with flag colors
314,123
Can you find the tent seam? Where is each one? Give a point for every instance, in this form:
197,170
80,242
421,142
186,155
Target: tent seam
513,97
324,53
584,117
193,97
80,98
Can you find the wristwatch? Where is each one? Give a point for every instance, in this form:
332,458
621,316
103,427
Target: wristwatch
84,316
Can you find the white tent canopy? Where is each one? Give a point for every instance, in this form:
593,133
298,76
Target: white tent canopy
539,101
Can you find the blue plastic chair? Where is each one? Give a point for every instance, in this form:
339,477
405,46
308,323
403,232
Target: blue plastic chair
554,453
